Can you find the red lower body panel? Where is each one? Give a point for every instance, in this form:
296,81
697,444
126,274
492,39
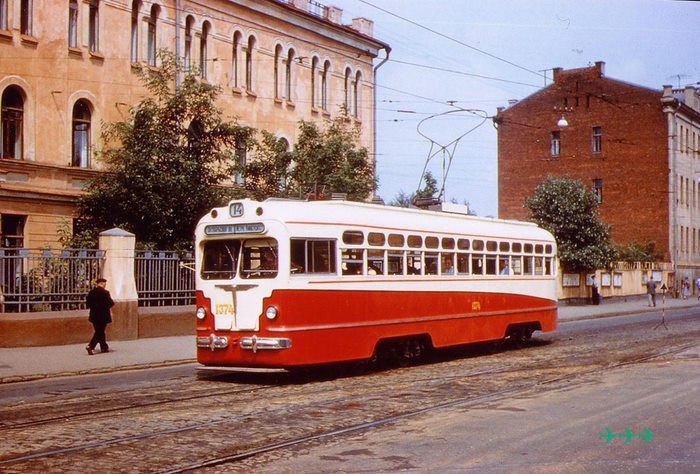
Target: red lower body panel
335,326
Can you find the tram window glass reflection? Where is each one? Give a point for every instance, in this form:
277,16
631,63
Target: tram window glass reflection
539,249
259,258
353,237
463,244
376,238
504,246
352,261
375,262
477,264
395,263
516,266
448,243
528,248
491,264
478,245
527,265
431,262
220,259
463,263
415,241
312,256
413,262
396,240
432,242
447,263
517,247
548,249
539,265
491,245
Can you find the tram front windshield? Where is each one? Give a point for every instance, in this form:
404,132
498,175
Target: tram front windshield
258,258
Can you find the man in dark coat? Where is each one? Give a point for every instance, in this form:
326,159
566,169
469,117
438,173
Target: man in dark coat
99,303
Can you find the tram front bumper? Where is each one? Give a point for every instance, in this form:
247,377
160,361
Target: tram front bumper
254,343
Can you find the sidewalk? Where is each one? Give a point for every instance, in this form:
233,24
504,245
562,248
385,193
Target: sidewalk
30,363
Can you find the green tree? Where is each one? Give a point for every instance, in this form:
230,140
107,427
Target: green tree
165,164
564,207
638,252
427,193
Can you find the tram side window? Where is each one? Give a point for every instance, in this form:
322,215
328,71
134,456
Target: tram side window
491,264
375,262
259,258
463,263
447,263
504,266
527,265
312,256
352,261
477,264
413,262
431,262
395,264
516,265
220,259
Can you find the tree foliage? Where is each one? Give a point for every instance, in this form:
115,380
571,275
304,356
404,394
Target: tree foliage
565,208
323,161
638,252
165,164
428,192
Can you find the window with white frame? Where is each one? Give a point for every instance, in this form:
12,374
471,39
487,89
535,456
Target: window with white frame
82,118
153,35
555,145
73,24
94,25
288,76
325,78
135,7
25,14
597,140
598,189
356,95
314,82
235,58
203,46
189,22
12,130
249,64
278,72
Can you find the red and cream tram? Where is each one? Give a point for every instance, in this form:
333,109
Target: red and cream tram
290,283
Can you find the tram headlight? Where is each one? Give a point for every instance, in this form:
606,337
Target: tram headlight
271,313
201,313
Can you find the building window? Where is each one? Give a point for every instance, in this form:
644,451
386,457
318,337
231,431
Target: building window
347,92
249,64
25,22
598,190
240,163
188,43
288,75
314,94
356,95
81,134
135,7
325,76
12,123
203,59
597,140
277,71
235,59
555,146
73,24
3,14
12,230
94,26
153,35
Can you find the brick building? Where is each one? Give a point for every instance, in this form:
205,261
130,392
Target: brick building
637,148
67,67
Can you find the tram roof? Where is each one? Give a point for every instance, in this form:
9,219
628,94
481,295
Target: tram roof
361,214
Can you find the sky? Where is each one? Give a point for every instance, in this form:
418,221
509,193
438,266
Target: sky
453,62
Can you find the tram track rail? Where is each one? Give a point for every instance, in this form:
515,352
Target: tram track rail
563,369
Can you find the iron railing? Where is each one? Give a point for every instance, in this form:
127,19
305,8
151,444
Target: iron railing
164,278
46,280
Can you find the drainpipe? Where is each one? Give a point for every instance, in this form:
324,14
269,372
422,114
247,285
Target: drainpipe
374,111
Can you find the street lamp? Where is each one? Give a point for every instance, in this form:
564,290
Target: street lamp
562,123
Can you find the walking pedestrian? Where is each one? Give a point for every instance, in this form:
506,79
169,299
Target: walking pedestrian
651,291
697,286
595,294
99,302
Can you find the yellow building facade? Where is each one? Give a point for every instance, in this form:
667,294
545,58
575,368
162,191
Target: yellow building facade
68,67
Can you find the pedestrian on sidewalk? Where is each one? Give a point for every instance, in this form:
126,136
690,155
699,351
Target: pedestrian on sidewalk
651,291
697,286
595,294
99,302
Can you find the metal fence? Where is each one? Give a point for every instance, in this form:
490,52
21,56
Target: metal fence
46,280
164,278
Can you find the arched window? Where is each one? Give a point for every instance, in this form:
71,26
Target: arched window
94,26
347,88
81,134
73,24
356,95
325,76
12,120
249,64
25,21
314,82
288,75
153,35
278,72
188,43
135,7
235,58
203,60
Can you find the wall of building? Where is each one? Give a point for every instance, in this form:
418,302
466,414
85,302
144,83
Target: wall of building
53,76
632,163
